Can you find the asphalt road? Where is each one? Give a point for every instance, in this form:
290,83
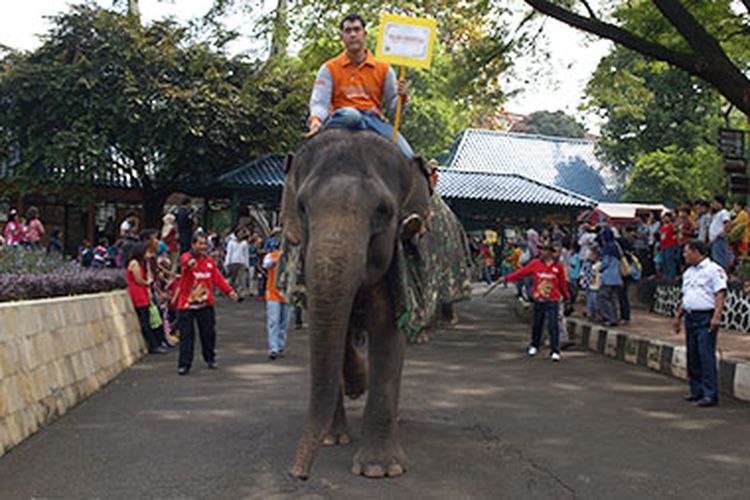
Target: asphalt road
479,420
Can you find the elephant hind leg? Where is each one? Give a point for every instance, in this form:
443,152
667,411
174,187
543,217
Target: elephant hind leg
355,364
339,432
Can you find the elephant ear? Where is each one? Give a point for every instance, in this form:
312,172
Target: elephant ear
290,220
415,204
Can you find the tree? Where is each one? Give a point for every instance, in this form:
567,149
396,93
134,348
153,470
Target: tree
705,39
106,100
671,176
555,124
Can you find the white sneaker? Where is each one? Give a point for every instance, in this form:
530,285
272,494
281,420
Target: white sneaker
555,357
532,351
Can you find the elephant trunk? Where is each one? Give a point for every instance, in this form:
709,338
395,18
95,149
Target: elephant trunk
335,265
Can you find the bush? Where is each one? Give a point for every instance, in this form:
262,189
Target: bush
34,274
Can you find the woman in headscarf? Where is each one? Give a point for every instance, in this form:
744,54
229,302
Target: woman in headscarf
611,279
533,239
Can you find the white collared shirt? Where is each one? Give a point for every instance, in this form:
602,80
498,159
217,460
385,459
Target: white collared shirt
701,283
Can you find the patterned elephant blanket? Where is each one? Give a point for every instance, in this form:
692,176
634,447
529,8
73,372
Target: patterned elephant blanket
435,271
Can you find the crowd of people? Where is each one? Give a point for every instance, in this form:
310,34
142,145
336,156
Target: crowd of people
172,272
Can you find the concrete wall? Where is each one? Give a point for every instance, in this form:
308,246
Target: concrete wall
56,352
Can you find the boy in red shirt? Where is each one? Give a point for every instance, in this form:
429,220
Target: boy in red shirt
195,302
549,286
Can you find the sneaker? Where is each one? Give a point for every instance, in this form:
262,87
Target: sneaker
707,402
532,351
555,357
212,365
273,355
183,370
159,350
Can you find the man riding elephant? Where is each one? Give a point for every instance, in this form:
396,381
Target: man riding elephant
352,86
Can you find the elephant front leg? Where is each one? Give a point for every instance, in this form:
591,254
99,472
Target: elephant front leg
381,453
339,432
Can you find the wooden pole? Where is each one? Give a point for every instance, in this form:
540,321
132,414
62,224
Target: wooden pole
397,120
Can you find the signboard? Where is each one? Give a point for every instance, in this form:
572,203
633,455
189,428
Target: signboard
732,143
735,166
739,184
406,41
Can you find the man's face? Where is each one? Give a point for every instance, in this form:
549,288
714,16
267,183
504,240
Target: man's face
716,206
691,256
200,246
353,36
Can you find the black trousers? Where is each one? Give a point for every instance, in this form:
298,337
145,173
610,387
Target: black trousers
148,334
206,319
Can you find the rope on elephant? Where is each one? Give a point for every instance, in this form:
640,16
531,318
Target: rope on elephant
436,271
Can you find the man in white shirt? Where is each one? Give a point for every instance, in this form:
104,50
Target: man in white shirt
704,288
237,260
704,219
717,232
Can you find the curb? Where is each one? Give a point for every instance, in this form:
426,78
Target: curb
662,357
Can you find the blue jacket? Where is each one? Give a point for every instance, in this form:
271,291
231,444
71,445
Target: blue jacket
611,271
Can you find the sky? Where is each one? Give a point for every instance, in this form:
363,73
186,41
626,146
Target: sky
573,55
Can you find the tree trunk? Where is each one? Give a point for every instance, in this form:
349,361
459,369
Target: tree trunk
153,204
280,30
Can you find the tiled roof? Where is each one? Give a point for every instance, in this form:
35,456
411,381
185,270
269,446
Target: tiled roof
569,164
268,170
505,188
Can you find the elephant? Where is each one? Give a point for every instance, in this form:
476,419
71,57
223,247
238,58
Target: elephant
348,196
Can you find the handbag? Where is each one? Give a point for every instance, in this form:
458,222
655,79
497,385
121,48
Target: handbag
154,317
625,268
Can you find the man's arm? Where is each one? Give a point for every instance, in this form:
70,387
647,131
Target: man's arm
392,88
320,100
718,308
677,318
521,273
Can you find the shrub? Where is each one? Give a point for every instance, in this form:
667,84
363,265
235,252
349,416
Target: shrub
34,274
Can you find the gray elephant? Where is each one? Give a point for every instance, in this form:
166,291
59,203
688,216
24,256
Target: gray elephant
348,197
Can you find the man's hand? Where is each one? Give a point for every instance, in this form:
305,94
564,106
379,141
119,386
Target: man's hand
402,87
191,263
715,322
233,295
677,326
313,129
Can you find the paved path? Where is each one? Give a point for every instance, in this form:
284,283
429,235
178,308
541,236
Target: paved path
479,420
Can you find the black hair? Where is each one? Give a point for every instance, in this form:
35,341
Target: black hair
137,251
104,242
721,199
198,236
147,234
185,200
55,234
704,203
32,213
698,246
350,18
131,213
741,203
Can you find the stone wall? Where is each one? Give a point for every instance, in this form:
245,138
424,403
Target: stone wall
56,352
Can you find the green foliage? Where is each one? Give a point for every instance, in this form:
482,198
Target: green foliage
108,99
555,124
671,175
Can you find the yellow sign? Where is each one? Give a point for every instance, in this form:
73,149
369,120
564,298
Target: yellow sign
406,41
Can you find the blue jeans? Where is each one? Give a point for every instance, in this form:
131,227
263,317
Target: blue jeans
355,119
701,355
720,252
592,297
670,258
550,311
277,321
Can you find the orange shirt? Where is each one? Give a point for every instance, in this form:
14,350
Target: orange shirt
272,293
359,87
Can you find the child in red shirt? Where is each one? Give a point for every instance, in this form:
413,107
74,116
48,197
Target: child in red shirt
195,303
549,286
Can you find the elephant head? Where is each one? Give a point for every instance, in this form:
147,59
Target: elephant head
347,197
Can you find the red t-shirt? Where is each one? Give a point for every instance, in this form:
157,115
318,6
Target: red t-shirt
197,282
139,293
668,236
549,280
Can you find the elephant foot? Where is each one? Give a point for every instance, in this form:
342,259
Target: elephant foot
340,438
380,463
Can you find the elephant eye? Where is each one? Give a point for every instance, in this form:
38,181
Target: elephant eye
381,217
301,209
